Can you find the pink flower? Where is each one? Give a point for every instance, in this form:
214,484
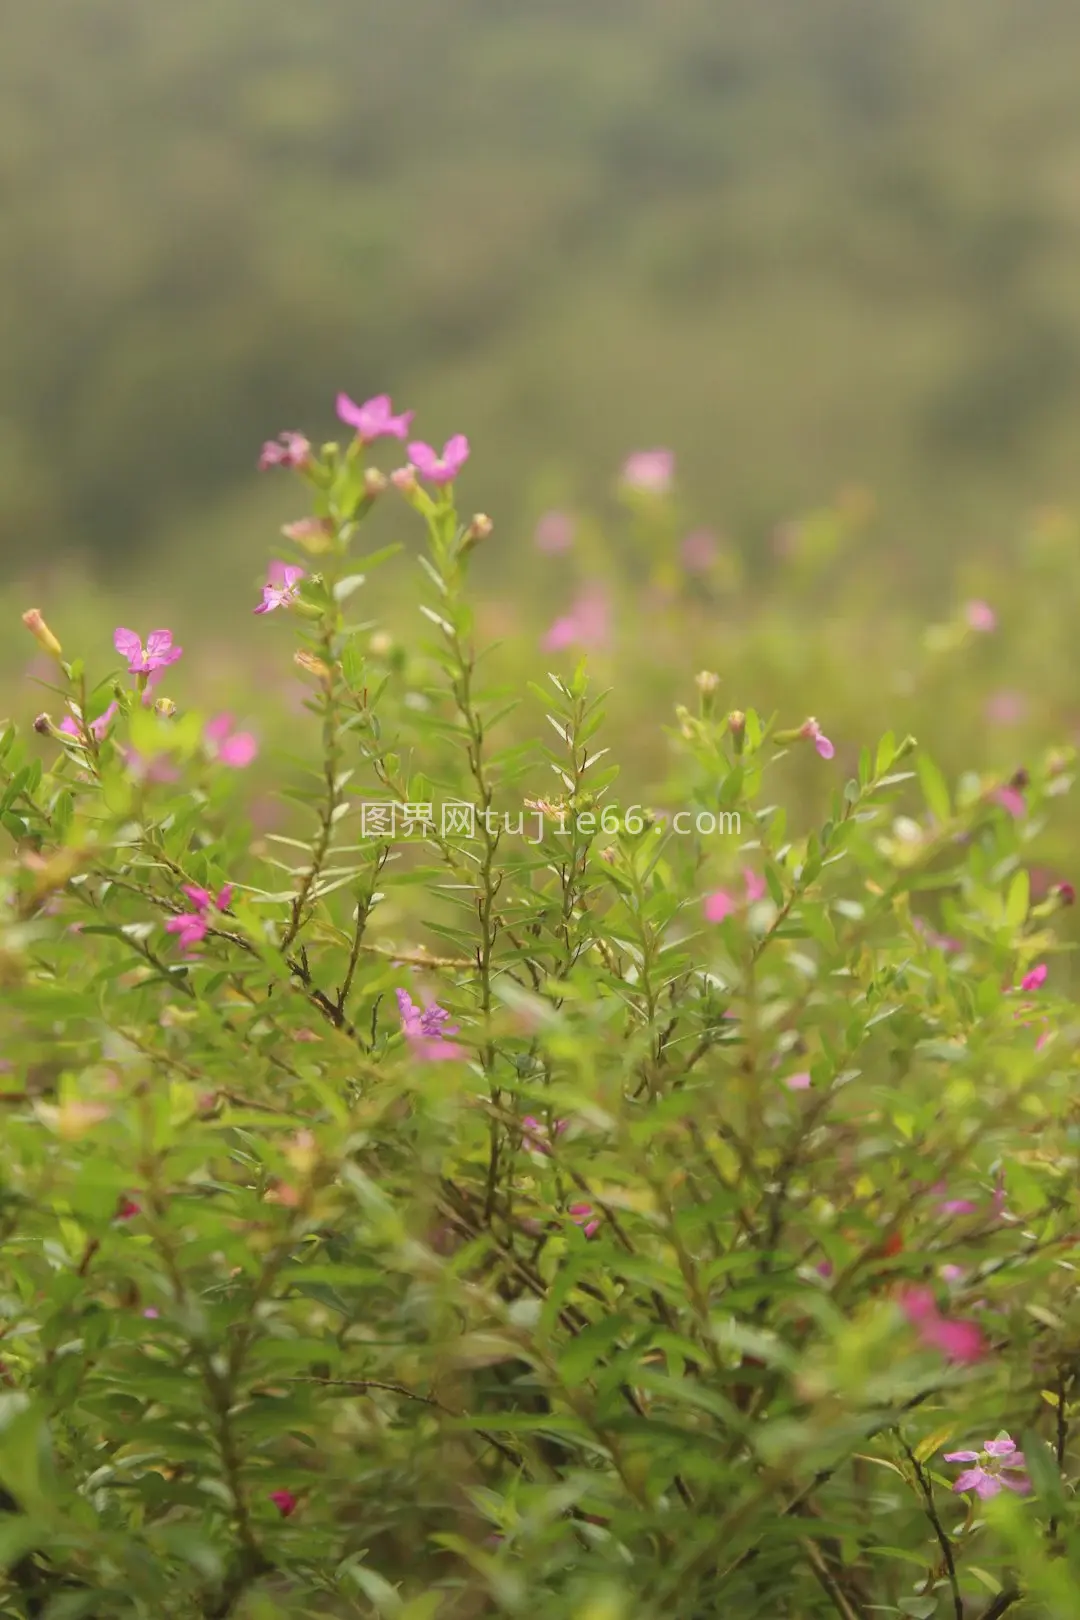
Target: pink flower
813,732
698,551
71,728
158,653
980,616
585,1216
285,1502
287,450
998,1464
233,748
719,905
151,1312
282,587
958,1341
649,470
1035,979
1010,799
951,1274
127,1209
374,419
440,469
426,1030
191,927
536,1135
586,625
554,532
756,887
149,767
798,1082
1006,708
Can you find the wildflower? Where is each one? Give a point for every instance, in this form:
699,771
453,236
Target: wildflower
554,532
191,927
980,616
756,887
282,587
813,732
1010,799
586,625
158,653
426,1030
287,450
1035,979
997,1465
958,1341
537,1136
97,728
149,767
440,469
1006,708
374,419
151,1312
285,1502
1065,893
127,1209
585,1216
698,551
41,632
798,1082
649,470
233,748
719,906
314,534
951,1274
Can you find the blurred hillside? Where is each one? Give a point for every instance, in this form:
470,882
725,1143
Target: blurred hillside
803,244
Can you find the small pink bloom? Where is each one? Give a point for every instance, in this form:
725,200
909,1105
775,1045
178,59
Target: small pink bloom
158,653
584,1215
151,1312
285,1502
952,1274
1035,979
958,1341
190,930
698,551
440,469
374,419
287,450
813,732
799,1082
980,616
756,887
997,1465
233,748
426,1030
282,587
824,1268
719,905
536,1135
554,532
128,1209
586,625
649,470
71,728
1010,799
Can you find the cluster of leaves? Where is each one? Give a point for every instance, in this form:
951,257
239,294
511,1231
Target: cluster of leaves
658,1282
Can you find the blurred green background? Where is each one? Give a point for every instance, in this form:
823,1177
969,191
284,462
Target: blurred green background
804,242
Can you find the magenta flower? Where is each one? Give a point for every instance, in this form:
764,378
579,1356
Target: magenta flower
426,1030
1010,799
537,1136
698,551
285,1502
719,906
191,927
1035,979
649,470
961,1342
798,1082
71,728
282,587
585,1216
980,616
756,887
997,1465
158,653
374,419
287,450
813,732
554,532
440,469
586,625
233,748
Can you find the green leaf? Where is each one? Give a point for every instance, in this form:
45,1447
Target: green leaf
935,789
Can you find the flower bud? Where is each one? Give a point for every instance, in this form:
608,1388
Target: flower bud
1065,893
404,480
375,482
707,682
314,534
908,746
479,529
312,665
736,723
41,632
1020,779
381,644
43,726
165,707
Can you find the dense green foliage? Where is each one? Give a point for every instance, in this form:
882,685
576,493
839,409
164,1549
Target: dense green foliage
739,1190
805,243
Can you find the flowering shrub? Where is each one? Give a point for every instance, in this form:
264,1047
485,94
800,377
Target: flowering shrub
434,1212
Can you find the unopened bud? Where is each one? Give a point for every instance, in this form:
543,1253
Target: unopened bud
375,482
314,534
479,529
707,682
43,725
165,707
908,746
1020,779
41,632
1065,893
381,644
404,479
736,722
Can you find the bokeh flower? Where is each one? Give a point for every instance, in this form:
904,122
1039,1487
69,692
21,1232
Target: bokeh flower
233,748
649,470
440,469
97,728
554,532
586,625
374,419
980,616
287,450
426,1030
957,1341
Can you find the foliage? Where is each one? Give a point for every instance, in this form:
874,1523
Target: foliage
445,1220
